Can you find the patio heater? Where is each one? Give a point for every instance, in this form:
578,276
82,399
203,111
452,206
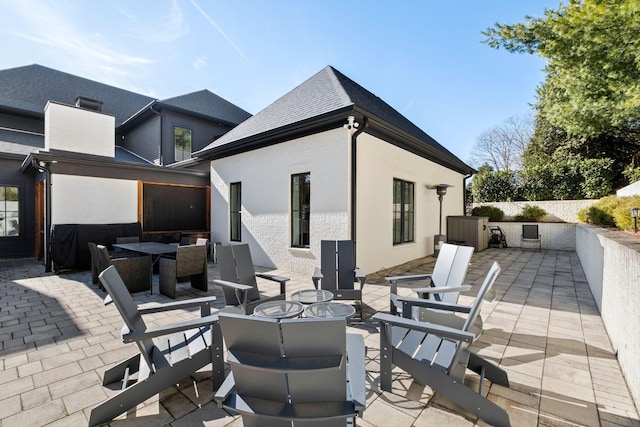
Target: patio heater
634,215
439,239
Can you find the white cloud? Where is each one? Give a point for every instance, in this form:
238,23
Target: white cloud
200,62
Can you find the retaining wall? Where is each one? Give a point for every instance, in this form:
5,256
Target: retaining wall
557,210
611,264
558,236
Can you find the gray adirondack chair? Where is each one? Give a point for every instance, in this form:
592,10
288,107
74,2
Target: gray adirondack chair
338,272
238,279
444,283
292,371
185,347
190,262
438,356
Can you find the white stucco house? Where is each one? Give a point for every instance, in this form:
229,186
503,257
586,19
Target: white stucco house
330,160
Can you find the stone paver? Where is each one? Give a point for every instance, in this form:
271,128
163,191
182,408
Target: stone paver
57,338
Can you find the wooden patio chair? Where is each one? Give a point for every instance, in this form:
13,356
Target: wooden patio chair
445,282
238,279
437,356
338,273
134,269
292,371
190,262
185,347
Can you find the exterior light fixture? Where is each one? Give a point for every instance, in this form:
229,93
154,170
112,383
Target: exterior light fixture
635,212
441,190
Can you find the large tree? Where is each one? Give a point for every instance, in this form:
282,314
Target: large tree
502,147
592,48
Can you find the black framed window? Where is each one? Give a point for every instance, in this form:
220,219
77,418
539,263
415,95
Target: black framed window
235,206
300,209
9,211
182,140
403,211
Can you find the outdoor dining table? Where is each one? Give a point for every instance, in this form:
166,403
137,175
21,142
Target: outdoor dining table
155,249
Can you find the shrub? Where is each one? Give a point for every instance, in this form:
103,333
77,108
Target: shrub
597,177
494,213
497,186
601,212
531,213
632,173
622,214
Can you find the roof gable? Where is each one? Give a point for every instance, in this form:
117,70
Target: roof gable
331,91
208,104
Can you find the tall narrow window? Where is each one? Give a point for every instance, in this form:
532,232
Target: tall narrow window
9,212
300,209
182,138
403,211
235,206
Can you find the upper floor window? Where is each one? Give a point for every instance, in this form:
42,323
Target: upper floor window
235,206
403,211
300,209
182,139
9,212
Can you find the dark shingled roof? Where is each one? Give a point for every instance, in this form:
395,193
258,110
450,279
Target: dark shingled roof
208,104
29,88
329,91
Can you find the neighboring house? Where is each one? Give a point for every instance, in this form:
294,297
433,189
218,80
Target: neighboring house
330,160
74,150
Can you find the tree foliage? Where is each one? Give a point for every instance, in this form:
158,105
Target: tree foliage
498,186
592,48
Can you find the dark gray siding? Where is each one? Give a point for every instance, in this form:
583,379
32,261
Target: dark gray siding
144,140
12,121
202,132
24,244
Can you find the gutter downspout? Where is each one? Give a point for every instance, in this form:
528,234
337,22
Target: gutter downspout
464,193
354,166
44,167
160,154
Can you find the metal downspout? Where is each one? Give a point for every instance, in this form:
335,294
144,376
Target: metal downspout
354,165
464,193
160,154
44,167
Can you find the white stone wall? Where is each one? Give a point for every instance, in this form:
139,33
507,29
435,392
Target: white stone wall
78,130
89,200
629,190
265,175
611,263
378,164
557,236
557,210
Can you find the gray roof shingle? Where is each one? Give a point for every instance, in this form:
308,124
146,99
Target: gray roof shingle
328,91
208,104
29,88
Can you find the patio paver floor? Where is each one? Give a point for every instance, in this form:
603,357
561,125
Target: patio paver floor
57,338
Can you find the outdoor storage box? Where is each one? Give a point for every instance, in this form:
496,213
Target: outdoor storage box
469,231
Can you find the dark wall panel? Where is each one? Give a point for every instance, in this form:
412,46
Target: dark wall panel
22,245
174,208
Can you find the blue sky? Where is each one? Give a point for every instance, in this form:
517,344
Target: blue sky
425,58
